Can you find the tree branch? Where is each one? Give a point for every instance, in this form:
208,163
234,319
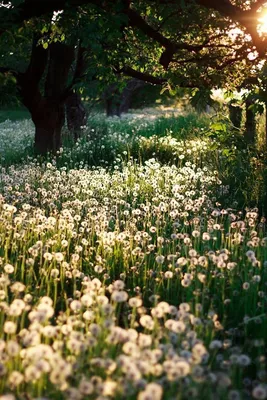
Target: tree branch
156,80
247,18
141,75
6,70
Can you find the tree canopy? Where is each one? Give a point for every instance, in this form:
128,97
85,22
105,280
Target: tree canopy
182,40
185,43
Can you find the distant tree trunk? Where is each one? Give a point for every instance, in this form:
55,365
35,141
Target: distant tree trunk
235,115
250,126
111,95
76,114
118,103
127,94
109,107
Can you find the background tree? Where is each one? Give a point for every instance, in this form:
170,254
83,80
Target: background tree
173,43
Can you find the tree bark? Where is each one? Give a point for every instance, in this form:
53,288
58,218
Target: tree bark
48,120
47,109
127,94
235,115
76,114
250,126
111,96
118,103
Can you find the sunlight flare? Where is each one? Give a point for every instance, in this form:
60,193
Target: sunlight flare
262,22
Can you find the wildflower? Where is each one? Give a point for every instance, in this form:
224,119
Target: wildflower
250,254
12,348
75,305
160,259
9,269
87,300
98,269
10,327
119,296
54,273
243,360
47,256
46,300
259,392
153,391
32,374
182,369
17,287
135,302
59,257
215,344
186,282
147,322
195,234
144,340
256,278
15,379
168,274
205,236
86,387
192,253
234,395
88,315
118,285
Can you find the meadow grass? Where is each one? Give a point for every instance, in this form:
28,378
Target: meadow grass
13,114
126,273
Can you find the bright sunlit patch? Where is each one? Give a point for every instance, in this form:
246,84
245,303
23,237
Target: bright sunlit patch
262,26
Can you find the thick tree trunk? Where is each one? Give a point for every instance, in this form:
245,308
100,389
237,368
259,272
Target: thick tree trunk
47,109
250,126
48,122
76,114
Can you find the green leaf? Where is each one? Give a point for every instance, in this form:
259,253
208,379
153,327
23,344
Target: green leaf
218,127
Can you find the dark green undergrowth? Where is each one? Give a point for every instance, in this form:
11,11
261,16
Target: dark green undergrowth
13,114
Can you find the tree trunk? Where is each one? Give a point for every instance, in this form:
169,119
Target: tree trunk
250,126
235,115
111,95
47,109
48,121
76,114
127,94
118,103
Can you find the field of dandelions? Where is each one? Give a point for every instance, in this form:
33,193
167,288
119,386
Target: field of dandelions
124,271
